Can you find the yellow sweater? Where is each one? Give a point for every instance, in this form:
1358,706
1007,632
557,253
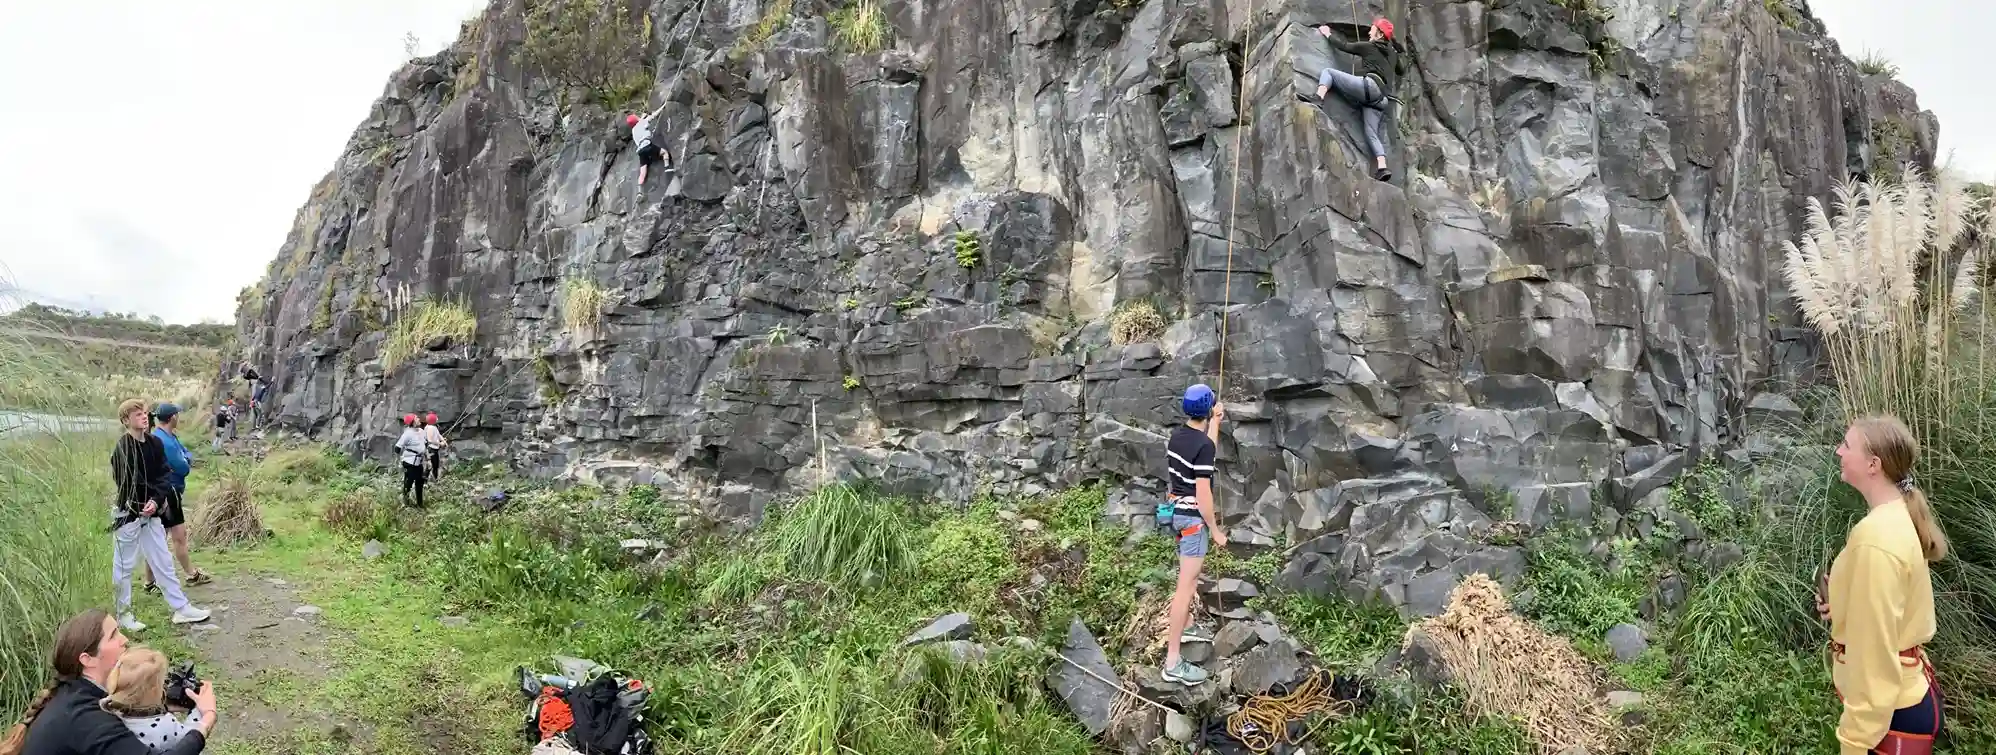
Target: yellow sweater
1881,602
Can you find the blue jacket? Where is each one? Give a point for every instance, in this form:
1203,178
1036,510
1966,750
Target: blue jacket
177,461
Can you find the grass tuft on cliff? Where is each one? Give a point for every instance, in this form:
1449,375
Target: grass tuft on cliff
582,304
429,320
1874,63
1136,321
861,27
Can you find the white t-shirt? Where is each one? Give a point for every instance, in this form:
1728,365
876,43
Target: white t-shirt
641,133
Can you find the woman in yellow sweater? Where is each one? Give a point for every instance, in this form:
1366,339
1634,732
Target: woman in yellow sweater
1880,598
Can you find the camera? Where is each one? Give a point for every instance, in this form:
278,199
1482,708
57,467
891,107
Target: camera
181,684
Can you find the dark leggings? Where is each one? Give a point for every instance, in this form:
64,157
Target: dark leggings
436,464
412,475
1923,717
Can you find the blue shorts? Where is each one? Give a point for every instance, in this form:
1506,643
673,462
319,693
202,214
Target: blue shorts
1193,545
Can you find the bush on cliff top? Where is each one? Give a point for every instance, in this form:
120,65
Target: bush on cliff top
598,45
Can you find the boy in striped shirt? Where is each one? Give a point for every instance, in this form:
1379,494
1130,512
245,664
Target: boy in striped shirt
1189,460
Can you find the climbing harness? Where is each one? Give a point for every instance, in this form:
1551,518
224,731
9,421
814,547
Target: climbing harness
1263,723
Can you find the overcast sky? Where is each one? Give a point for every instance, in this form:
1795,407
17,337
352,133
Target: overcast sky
155,152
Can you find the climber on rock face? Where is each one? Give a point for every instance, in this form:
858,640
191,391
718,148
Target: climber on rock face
1379,74
648,150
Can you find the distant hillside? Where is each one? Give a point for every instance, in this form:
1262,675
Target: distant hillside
118,327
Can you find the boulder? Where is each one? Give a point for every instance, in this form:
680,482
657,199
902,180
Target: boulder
1080,680
955,626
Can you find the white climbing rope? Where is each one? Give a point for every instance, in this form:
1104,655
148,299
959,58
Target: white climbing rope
1117,685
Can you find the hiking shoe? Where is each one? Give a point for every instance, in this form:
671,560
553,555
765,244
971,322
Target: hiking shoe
1186,674
1194,634
190,615
131,623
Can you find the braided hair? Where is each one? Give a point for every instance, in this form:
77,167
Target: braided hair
79,635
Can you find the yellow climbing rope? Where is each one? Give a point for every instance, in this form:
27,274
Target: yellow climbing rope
1234,205
1263,722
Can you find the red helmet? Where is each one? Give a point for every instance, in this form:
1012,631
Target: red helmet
408,419
631,120
1385,27
430,418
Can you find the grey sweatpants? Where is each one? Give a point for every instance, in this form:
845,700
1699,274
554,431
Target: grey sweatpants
143,538
1359,91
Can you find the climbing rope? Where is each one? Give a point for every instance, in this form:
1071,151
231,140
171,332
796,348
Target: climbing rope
1263,722
1234,205
1112,683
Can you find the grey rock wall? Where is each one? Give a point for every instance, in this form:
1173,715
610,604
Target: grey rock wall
1573,275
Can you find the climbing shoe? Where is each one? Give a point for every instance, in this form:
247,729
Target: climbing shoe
1383,174
1186,674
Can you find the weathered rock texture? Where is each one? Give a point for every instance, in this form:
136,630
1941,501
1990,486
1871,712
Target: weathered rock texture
1572,278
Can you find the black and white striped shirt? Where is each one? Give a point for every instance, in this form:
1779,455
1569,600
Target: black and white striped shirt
1188,459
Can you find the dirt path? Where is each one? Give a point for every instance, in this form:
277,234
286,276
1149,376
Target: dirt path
266,657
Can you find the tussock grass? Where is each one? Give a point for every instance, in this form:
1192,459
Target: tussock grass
311,465
1508,667
582,304
1874,63
53,489
350,514
429,320
228,514
774,17
1136,321
861,27
843,536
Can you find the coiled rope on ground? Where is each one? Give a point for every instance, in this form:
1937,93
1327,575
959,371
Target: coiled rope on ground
1263,722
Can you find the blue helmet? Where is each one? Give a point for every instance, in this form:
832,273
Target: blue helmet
1198,401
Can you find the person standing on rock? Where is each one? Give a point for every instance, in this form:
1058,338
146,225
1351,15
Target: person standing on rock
1189,457
1879,597
648,150
412,449
1378,76
138,468
433,437
173,510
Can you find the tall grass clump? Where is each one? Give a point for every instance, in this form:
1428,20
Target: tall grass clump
53,490
842,535
1874,63
1894,282
429,320
582,304
861,27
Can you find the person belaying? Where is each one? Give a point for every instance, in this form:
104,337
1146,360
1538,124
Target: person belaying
433,437
412,449
1879,597
1189,457
648,150
1378,76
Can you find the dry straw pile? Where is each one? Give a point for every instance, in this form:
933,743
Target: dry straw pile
1509,668
228,516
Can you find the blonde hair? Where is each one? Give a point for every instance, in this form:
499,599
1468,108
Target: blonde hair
138,684
1888,439
130,405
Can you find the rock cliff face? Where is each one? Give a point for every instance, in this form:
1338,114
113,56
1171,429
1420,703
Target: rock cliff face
936,266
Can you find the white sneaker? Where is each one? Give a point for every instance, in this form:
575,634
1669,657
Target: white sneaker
131,623
190,615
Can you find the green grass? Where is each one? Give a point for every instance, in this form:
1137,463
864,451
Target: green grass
582,304
861,27
428,320
1874,63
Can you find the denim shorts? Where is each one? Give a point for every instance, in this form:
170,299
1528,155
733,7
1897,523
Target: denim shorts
1194,544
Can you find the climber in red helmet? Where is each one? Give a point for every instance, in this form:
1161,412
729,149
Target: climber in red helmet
1378,76
648,150
434,438
410,448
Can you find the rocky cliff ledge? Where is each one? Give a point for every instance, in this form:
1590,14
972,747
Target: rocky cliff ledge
990,255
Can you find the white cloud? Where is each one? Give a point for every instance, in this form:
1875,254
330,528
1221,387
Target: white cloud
157,152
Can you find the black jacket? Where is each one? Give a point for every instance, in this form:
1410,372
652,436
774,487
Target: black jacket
72,724
1374,59
139,469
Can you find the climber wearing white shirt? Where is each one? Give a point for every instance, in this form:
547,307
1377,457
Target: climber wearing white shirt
648,150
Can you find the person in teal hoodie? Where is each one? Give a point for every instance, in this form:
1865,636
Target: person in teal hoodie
173,511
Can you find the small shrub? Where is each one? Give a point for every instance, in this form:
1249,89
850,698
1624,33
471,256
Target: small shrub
1136,321
967,248
777,335
1874,63
582,304
1782,13
551,391
850,304
851,382
911,302
350,514
427,321
598,45
861,27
